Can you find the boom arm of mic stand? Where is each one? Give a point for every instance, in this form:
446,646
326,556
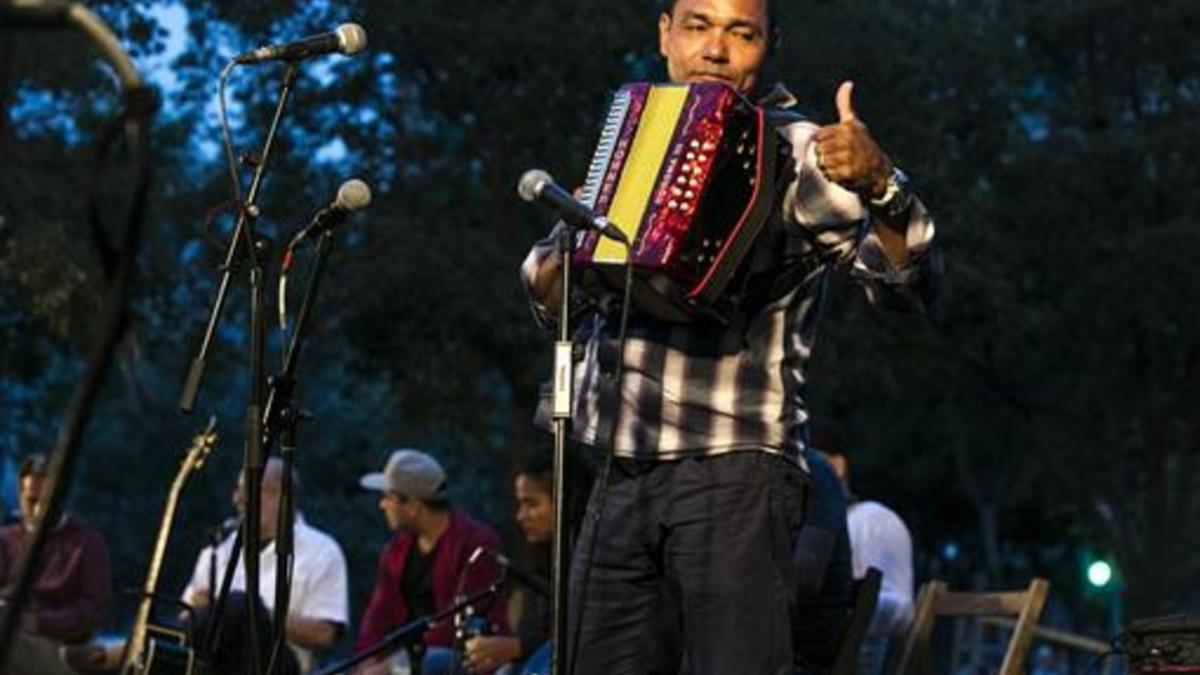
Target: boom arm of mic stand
409,629
67,446
122,64
62,465
243,232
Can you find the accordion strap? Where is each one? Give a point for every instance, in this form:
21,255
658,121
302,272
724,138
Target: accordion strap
782,257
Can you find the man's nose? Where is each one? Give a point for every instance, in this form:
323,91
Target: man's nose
716,47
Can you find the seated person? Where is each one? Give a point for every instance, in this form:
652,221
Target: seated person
318,606
432,559
880,539
70,595
529,610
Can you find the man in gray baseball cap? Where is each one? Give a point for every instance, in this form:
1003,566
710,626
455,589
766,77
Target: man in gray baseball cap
411,473
426,562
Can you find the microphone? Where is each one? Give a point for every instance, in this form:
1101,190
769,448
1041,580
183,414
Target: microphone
537,185
533,581
353,195
349,38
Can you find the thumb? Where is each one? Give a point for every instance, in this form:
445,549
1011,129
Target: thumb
845,107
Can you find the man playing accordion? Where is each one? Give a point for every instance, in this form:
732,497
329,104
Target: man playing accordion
709,425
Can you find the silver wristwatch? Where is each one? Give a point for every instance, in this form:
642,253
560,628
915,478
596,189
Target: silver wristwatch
896,197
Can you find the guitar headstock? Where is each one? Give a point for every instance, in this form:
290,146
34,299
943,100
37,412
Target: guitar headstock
202,445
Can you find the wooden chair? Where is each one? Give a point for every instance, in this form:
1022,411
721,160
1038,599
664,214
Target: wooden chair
936,600
866,595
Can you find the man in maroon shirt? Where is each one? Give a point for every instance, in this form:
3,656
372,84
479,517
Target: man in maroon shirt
430,560
69,600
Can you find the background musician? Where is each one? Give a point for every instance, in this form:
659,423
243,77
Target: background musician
71,594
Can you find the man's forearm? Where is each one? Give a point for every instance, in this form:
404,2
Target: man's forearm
894,238
547,284
312,633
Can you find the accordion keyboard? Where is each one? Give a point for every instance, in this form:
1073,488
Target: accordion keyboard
604,149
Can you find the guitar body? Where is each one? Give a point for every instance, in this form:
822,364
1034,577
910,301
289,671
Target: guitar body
170,657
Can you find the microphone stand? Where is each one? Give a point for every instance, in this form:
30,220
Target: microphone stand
563,388
254,454
281,418
412,629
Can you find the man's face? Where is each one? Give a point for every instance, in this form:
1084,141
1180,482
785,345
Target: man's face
269,504
30,497
398,511
714,41
841,466
535,509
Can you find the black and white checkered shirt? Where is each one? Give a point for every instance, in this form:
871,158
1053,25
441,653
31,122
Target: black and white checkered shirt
689,389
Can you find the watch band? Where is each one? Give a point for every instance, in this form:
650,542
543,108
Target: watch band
896,197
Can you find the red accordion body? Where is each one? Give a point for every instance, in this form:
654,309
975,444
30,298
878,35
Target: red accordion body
681,170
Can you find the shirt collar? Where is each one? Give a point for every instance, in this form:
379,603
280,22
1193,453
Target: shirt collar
779,96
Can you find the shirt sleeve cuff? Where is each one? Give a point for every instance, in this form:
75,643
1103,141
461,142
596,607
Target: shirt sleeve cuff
529,269
913,281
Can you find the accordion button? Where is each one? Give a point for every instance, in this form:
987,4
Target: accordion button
702,158
689,195
691,155
672,205
695,144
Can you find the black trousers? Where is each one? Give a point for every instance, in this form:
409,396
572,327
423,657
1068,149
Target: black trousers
715,535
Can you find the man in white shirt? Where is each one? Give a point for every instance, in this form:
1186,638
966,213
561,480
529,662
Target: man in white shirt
318,609
880,539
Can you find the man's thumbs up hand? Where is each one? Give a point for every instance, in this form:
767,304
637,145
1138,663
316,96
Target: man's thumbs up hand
846,153
845,106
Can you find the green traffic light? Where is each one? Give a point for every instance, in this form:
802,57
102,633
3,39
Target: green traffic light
1099,573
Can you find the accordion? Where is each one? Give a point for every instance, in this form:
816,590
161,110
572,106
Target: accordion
687,173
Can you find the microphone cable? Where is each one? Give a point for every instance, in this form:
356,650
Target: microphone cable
227,137
610,452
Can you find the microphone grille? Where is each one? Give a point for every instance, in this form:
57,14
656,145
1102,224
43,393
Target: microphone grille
531,184
352,38
353,195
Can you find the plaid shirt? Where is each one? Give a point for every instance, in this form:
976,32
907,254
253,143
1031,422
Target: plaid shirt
690,389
